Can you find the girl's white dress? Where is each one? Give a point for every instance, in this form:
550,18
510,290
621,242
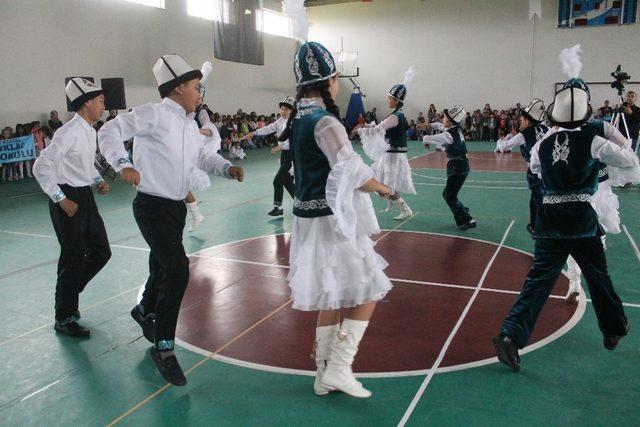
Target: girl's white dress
391,169
332,258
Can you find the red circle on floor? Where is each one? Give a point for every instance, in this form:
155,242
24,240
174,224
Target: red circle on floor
236,305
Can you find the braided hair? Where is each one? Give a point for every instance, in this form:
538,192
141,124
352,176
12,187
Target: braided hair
329,103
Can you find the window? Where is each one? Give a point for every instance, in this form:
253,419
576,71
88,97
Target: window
154,3
270,21
207,9
274,23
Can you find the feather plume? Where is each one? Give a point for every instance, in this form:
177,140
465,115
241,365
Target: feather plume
570,60
299,23
409,75
206,69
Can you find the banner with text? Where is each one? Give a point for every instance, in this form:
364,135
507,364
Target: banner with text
17,149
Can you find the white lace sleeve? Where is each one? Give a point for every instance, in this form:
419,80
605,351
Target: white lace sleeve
614,135
352,208
214,141
534,162
388,123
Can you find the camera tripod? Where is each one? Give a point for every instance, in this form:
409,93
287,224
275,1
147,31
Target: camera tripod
618,116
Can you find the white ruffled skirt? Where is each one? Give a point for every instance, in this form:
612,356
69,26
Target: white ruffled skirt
333,263
393,170
331,271
620,177
606,205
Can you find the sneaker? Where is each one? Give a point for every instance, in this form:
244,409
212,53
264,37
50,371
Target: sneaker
168,367
73,329
468,225
276,211
611,342
146,323
507,352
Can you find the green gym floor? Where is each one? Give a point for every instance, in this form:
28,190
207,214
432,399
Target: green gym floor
568,378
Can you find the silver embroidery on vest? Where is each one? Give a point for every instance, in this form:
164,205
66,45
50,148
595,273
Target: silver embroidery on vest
565,198
310,204
560,151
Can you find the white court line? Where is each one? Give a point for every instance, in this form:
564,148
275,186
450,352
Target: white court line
39,391
26,195
520,181
472,186
447,343
17,233
633,242
134,248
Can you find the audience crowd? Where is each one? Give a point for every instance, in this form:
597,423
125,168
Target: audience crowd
486,124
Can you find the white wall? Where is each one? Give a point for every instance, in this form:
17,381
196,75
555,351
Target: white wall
44,41
467,51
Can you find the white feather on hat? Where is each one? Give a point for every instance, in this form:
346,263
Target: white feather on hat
299,20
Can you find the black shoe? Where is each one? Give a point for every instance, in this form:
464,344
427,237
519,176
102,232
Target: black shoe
610,343
276,211
507,352
72,329
468,225
168,368
146,323
530,228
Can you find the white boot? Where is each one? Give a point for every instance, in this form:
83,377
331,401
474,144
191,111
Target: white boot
389,205
338,375
405,210
325,336
196,216
573,272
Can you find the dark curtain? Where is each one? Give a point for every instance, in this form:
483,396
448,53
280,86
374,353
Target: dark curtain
236,37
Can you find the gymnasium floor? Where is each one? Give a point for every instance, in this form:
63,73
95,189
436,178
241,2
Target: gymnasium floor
427,356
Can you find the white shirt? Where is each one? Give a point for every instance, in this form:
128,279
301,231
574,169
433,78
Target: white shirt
68,159
167,148
278,127
440,139
602,149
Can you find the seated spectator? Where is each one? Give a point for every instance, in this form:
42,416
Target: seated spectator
236,152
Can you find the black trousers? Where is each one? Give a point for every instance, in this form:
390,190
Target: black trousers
450,195
550,257
161,222
535,204
283,178
84,248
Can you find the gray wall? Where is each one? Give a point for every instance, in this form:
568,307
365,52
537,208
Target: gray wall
43,41
468,51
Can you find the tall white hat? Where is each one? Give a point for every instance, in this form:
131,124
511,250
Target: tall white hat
171,71
80,90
